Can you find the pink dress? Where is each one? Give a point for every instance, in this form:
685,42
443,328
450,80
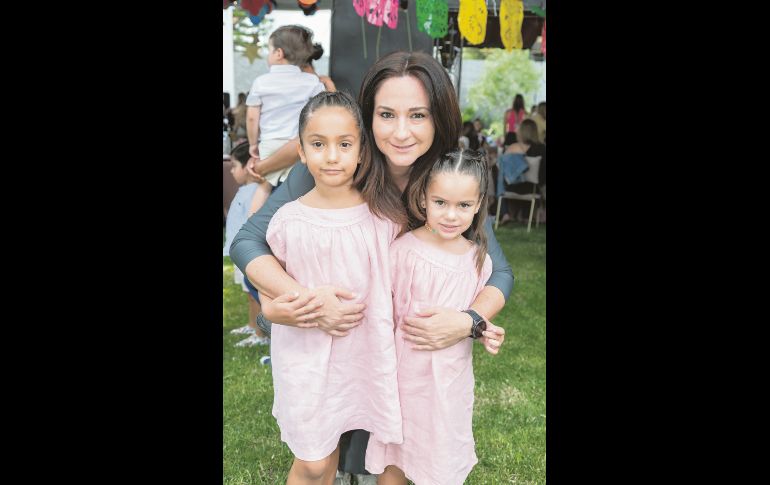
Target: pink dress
435,387
327,385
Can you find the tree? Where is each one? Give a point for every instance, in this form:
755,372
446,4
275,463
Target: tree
506,74
246,34
477,53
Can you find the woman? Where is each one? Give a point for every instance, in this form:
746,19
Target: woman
238,131
318,51
411,117
478,125
529,145
469,139
514,116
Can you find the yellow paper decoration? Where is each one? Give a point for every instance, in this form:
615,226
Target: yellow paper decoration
472,18
511,18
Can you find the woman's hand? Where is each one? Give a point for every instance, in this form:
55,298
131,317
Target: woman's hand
291,309
253,169
437,328
493,338
334,317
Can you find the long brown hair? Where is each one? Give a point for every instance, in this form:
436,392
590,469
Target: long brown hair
373,180
465,162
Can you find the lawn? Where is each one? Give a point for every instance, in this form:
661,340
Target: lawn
509,413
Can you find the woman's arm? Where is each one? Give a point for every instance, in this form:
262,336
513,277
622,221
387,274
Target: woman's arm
251,254
284,157
438,328
328,83
250,243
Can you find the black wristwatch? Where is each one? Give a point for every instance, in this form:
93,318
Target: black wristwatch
479,324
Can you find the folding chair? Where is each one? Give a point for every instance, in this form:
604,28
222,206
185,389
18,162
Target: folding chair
531,175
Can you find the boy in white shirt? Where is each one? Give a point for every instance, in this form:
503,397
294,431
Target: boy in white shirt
275,100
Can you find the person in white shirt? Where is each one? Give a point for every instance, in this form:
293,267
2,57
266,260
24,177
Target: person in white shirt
275,100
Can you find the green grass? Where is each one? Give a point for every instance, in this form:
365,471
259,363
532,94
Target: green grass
509,414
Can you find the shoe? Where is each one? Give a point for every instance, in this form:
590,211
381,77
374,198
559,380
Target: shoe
265,360
366,479
243,330
252,340
342,478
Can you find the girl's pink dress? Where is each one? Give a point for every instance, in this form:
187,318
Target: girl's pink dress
327,385
435,387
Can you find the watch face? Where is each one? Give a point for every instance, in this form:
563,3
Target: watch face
479,327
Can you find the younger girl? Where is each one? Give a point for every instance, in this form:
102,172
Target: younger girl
328,383
442,262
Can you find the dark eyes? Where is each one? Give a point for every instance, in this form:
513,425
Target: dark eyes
389,115
318,144
464,205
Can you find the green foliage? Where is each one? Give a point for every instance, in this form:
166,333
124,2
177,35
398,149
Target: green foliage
505,75
245,33
468,114
495,129
476,53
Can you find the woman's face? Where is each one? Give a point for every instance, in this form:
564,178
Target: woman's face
402,124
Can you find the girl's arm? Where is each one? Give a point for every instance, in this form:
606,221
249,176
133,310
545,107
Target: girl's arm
251,254
438,328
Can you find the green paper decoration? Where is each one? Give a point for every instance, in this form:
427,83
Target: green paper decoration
433,17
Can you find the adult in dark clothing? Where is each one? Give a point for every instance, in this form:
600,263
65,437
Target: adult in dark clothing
527,144
470,138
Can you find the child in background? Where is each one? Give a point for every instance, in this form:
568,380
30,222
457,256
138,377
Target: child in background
328,383
275,100
236,217
443,262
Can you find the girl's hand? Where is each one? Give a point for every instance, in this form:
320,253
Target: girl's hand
493,338
336,318
291,309
437,328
